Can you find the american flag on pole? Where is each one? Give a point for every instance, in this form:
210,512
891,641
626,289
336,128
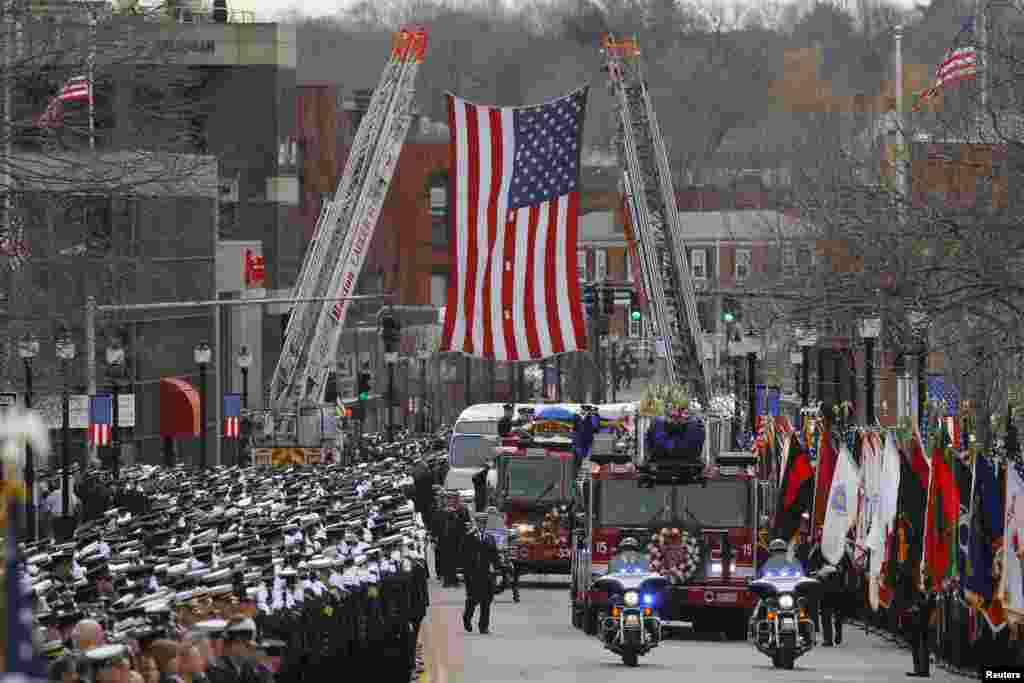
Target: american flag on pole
101,419
232,415
76,89
940,391
959,64
514,292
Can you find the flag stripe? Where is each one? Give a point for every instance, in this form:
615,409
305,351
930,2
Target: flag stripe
497,167
521,219
456,287
472,208
572,232
508,287
551,297
513,252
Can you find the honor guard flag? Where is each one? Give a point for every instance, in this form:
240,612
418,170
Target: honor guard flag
514,294
101,419
232,415
20,657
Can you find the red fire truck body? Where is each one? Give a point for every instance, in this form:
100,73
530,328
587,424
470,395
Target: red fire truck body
702,536
533,490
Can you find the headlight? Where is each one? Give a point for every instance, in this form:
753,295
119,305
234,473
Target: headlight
632,599
525,528
786,601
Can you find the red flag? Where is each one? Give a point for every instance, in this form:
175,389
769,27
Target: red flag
514,292
943,517
826,468
795,492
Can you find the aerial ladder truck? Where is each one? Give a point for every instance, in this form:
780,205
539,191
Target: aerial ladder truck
344,231
647,187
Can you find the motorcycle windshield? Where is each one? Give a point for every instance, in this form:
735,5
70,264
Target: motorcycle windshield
630,562
781,569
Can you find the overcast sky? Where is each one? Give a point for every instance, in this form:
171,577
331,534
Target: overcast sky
268,10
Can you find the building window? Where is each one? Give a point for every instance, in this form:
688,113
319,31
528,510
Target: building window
636,327
788,260
699,264
439,290
629,265
600,265
581,264
742,264
439,215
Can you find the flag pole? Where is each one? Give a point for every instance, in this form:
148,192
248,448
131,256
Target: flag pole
8,128
981,18
91,76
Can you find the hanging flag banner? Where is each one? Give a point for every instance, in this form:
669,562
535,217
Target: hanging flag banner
101,419
774,398
232,415
78,411
126,410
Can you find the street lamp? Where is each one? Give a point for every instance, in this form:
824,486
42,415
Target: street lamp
203,354
806,339
870,329
244,362
28,348
115,363
66,354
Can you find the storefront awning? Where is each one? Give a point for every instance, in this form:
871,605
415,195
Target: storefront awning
179,408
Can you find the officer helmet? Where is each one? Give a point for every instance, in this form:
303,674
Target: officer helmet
778,546
492,510
629,544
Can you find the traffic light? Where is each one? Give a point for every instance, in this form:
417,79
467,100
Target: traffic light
364,386
589,300
608,302
731,312
390,330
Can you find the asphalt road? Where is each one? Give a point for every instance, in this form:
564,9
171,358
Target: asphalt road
534,641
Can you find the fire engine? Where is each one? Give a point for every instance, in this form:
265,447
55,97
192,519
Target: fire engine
534,485
700,533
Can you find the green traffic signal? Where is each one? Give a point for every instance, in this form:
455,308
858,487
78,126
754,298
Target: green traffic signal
728,317
635,315
364,396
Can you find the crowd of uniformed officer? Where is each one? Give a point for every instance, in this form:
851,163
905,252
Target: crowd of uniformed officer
241,575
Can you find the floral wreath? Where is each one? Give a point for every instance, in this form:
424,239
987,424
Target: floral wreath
675,554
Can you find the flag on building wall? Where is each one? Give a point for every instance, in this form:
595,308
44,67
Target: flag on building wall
232,415
959,64
76,89
101,419
514,292
939,390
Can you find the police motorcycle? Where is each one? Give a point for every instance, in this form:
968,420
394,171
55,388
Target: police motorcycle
781,626
633,628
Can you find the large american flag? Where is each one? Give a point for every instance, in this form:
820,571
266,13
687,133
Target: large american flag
514,291
101,419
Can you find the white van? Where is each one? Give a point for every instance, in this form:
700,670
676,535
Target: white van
474,438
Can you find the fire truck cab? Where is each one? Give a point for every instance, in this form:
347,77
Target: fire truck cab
700,535
535,482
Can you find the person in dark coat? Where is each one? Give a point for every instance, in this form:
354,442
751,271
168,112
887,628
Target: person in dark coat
423,494
482,561
452,530
506,422
920,630
828,617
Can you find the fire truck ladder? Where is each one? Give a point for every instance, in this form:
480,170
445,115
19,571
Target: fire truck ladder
647,181
344,230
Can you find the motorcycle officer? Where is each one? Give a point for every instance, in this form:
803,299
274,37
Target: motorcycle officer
626,555
778,563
